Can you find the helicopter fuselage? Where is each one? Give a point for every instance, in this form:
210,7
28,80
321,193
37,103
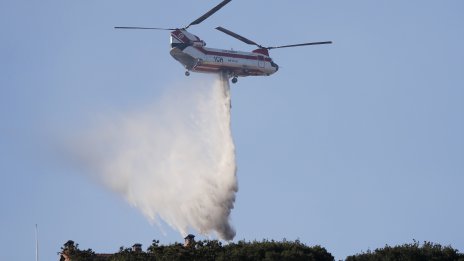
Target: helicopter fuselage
190,51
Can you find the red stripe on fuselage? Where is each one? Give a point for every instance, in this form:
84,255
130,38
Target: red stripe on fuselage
232,55
238,71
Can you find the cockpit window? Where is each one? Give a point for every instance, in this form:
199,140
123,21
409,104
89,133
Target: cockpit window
273,64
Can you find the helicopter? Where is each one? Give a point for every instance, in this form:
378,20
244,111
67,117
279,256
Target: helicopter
189,50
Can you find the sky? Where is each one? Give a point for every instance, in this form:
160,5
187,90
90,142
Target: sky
350,146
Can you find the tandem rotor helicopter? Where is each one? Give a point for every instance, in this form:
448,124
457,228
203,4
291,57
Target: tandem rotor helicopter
190,51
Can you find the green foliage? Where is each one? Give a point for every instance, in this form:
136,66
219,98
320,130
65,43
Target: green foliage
127,254
265,250
410,252
76,254
214,250
274,250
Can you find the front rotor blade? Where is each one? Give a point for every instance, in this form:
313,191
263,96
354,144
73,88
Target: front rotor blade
239,37
295,45
209,13
143,28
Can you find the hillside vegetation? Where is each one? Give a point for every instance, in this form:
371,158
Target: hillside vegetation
260,250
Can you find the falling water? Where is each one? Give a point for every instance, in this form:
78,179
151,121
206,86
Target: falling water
174,160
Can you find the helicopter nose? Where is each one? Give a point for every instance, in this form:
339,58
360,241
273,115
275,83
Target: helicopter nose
275,66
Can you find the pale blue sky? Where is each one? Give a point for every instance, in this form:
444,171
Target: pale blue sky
351,146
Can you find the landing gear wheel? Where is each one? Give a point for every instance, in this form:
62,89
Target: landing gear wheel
187,73
234,80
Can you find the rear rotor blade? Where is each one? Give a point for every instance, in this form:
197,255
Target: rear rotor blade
209,13
143,28
237,36
295,45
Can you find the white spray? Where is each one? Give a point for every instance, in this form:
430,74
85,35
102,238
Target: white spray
175,160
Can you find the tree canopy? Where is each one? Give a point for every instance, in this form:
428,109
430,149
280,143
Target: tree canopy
265,250
413,252
210,250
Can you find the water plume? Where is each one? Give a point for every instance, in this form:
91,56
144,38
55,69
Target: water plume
174,160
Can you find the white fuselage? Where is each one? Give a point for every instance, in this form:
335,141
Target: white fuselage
191,52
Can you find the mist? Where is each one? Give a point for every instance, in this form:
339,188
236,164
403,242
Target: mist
173,160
